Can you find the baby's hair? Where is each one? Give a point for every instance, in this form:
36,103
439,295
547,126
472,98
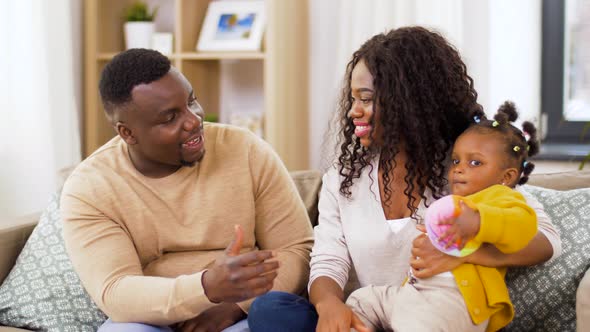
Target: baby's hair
520,144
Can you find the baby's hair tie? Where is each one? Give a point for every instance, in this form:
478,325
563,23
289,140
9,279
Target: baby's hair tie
477,119
516,148
495,124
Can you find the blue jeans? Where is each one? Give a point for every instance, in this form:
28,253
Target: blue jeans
280,311
110,326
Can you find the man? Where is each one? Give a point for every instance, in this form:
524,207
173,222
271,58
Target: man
149,215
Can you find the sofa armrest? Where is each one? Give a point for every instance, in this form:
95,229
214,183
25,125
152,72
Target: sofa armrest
13,235
583,303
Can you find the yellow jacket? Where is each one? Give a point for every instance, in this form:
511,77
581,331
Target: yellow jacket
508,223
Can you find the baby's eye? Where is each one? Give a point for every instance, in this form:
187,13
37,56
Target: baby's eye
455,161
475,163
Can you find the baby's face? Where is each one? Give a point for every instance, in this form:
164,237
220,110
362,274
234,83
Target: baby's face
478,162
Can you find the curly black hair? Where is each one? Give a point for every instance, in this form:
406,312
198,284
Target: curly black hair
424,98
127,70
518,145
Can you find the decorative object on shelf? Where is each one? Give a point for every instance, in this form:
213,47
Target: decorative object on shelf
233,26
248,120
139,25
162,42
211,117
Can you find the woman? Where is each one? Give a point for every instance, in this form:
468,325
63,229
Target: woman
406,99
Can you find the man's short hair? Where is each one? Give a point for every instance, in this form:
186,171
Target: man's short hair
127,70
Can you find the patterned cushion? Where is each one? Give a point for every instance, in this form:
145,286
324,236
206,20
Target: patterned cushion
42,292
544,296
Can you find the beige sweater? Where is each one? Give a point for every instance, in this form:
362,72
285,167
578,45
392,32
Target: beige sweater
140,245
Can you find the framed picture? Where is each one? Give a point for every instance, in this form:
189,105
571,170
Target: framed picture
233,26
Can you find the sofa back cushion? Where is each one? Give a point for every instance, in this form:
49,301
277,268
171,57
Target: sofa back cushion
544,296
43,292
561,180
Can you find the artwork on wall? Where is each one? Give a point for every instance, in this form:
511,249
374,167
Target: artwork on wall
233,26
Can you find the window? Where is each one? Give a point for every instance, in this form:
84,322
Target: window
565,97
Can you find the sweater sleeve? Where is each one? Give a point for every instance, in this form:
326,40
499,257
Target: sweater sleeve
506,220
330,256
105,258
282,223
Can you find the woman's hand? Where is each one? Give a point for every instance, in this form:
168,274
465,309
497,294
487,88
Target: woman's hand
335,316
427,261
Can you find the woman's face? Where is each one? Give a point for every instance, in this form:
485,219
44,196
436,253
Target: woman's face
362,110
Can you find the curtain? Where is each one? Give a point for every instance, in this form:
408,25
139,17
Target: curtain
338,28
498,39
40,126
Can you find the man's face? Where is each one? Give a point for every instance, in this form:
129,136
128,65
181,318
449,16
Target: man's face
165,125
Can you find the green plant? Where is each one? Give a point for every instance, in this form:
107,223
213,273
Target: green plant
139,12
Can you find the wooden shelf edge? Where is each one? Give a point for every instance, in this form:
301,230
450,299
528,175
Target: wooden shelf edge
222,55
200,56
111,55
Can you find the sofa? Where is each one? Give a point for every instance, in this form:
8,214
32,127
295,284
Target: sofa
14,234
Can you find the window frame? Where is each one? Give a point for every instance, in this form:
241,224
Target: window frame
562,139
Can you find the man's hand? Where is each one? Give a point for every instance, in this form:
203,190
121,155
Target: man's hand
427,261
336,316
237,277
462,228
213,319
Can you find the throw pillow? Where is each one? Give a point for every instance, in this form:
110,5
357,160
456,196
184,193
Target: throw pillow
43,292
544,296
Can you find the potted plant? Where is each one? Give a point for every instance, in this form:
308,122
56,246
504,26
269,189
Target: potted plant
139,25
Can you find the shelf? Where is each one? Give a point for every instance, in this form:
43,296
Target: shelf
202,56
222,56
110,55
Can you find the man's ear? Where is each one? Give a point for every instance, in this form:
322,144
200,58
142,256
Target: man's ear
126,133
510,177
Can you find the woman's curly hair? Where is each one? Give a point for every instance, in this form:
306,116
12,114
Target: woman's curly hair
424,98
519,145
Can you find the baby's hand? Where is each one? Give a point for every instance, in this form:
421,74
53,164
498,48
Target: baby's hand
460,229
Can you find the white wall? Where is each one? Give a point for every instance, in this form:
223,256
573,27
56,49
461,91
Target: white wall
500,41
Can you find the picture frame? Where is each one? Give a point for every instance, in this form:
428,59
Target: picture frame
233,26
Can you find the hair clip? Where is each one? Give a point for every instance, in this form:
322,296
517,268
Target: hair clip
524,163
495,124
477,119
528,147
516,148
